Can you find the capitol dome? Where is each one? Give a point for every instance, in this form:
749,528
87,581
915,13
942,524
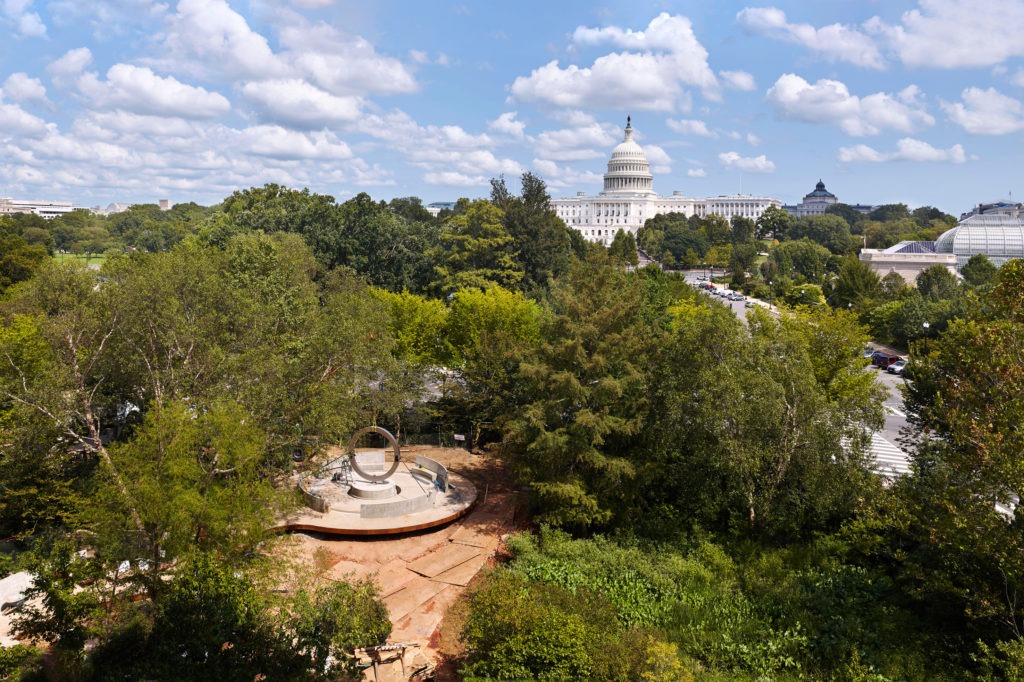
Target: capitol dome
1000,237
628,169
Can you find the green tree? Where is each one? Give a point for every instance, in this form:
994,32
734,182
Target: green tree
803,258
19,261
743,229
979,271
488,332
961,543
856,283
478,251
848,213
583,397
540,238
717,229
830,231
410,208
754,446
773,223
937,283
888,212
623,249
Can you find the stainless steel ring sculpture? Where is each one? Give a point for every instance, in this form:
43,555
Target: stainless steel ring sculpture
394,447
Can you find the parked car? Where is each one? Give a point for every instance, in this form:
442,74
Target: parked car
868,352
749,304
737,297
884,360
896,367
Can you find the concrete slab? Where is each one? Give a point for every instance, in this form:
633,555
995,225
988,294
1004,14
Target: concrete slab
439,562
463,573
411,596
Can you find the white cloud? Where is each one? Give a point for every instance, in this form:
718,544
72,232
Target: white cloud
690,127
753,140
652,70
111,125
296,102
574,144
21,88
16,121
696,173
507,124
25,21
659,159
453,179
473,161
572,117
363,174
278,142
830,102
956,34
986,112
342,64
746,164
209,37
834,42
421,57
907,149
738,80
565,176
139,90
69,66
108,19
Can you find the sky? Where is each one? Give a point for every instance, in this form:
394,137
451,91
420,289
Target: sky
886,101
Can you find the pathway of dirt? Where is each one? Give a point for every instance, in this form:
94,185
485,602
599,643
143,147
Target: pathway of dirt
421,575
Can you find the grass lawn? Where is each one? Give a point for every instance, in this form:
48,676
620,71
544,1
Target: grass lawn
94,259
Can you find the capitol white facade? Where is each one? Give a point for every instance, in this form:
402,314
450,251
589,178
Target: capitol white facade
628,199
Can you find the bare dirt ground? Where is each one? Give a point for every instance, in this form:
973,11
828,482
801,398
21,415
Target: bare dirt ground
421,575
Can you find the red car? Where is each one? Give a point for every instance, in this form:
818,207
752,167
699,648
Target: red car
883,360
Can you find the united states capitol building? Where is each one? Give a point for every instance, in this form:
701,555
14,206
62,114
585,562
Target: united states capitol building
629,199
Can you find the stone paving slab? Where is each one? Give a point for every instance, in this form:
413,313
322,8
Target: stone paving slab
344,570
393,576
421,623
411,596
439,562
463,573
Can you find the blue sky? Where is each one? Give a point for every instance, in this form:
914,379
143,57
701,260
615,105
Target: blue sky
885,100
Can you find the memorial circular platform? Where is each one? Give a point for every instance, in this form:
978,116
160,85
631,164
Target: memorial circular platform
361,493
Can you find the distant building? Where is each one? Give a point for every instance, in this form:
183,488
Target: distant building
165,204
436,207
113,207
907,259
629,199
45,209
1000,236
818,201
1007,208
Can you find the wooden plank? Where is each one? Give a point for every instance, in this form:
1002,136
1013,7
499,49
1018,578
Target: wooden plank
439,562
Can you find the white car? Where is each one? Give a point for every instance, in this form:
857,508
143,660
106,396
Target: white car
896,367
